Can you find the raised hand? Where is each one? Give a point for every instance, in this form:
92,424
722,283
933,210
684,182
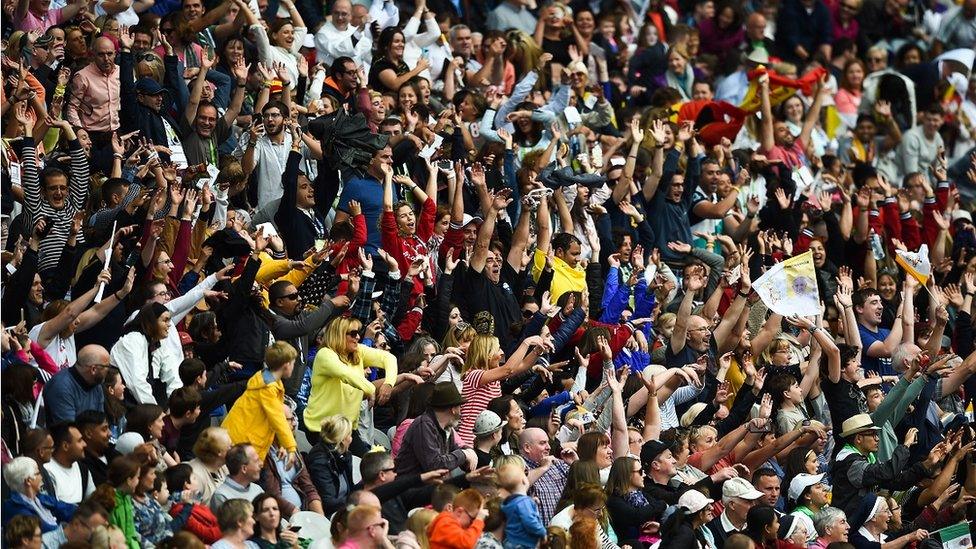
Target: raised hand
635,130
658,132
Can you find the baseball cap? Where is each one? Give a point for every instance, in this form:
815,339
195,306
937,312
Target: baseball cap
488,422
694,501
468,218
651,450
148,86
127,442
801,482
740,488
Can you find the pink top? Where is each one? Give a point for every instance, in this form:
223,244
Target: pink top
32,22
847,101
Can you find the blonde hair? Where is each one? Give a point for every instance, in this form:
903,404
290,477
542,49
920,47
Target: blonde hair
480,353
101,536
335,337
418,523
279,354
776,344
335,429
699,432
509,459
510,476
211,442
455,336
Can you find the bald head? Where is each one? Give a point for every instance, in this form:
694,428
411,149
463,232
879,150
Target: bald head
755,26
534,444
93,362
341,14
364,497
103,52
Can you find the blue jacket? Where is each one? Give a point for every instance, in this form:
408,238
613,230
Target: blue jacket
18,505
523,524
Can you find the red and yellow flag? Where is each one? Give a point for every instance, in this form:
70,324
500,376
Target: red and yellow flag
781,88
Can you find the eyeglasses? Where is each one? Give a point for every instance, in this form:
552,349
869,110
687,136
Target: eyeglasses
388,470
353,333
166,293
290,296
527,313
702,329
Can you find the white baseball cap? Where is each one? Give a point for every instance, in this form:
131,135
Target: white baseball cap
801,482
694,501
740,488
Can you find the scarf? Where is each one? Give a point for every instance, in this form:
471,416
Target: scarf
871,457
681,83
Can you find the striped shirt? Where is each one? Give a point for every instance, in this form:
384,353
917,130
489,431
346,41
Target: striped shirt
476,398
53,244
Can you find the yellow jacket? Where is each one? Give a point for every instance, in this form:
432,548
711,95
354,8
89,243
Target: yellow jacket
338,387
258,416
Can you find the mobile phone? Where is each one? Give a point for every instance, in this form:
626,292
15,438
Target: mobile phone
294,528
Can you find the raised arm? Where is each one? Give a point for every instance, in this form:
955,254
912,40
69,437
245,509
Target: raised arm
694,282
499,201
766,139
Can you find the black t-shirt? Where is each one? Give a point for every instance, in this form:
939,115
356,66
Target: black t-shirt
374,73
844,399
481,294
559,50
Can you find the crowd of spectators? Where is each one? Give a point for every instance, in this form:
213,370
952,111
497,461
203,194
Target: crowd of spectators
478,274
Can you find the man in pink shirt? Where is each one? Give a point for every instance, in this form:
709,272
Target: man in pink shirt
97,93
37,15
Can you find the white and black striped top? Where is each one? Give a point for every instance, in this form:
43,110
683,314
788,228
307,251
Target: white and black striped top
78,183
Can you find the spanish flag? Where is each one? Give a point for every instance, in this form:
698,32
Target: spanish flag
916,263
780,87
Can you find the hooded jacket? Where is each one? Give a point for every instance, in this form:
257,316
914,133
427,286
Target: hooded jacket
445,532
258,416
523,524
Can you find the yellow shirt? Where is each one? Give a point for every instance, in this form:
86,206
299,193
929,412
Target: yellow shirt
564,278
338,387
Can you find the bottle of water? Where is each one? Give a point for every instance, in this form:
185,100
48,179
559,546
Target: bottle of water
876,247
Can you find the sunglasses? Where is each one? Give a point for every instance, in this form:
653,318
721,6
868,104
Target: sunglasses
290,296
353,333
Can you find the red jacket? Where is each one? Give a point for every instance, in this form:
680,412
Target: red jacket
202,523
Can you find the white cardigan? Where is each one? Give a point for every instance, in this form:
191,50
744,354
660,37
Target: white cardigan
130,355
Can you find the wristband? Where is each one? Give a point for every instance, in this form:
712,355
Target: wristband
745,295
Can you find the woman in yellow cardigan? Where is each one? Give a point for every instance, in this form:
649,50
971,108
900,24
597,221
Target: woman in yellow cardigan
258,416
338,375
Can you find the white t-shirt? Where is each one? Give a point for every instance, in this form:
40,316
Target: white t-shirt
62,351
67,482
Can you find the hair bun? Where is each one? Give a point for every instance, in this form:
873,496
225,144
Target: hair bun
484,324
